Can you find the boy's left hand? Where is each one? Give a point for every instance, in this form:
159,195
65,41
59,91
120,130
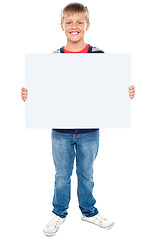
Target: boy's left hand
131,91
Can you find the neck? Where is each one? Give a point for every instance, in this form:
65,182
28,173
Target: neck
75,46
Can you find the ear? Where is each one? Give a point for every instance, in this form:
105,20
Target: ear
87,26
62,26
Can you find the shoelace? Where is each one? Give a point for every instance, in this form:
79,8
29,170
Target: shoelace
99,218
53,221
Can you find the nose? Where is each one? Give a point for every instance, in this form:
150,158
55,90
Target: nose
74,25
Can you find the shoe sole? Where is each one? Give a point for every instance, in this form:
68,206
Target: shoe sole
49,234
106,228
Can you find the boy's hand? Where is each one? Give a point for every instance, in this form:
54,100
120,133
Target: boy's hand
24,93
131,91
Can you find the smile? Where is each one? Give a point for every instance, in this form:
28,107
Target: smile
74,33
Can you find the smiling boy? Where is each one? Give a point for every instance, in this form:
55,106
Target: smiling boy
74,24
70,143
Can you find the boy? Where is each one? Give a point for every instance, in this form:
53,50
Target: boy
68,143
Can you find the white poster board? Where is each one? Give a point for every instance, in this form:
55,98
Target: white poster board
78,90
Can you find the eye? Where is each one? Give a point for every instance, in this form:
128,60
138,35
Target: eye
80,22
68,22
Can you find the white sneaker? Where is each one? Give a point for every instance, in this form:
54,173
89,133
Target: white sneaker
52,227
99,220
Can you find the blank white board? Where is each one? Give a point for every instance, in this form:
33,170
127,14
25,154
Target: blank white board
78,90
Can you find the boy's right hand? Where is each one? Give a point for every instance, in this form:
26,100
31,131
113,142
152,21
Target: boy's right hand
24,93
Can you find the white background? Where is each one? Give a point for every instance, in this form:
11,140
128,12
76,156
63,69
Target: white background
127,167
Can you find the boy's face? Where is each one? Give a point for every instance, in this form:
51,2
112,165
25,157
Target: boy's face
75,26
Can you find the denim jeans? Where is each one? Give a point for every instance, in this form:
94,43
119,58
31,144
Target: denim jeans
65,147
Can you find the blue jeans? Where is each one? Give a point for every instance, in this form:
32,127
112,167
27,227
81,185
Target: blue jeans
65,147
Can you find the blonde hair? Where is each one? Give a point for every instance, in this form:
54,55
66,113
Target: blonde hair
75,8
